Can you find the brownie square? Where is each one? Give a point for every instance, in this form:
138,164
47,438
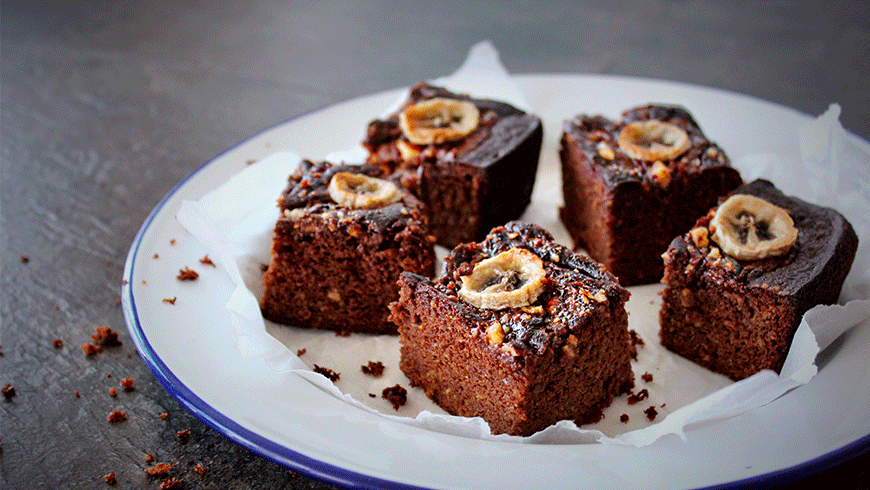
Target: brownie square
624,208
471,184
334,266
738,316
564,354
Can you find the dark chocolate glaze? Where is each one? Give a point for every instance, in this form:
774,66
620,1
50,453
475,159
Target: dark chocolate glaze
572,280
307,189
590,131
811,272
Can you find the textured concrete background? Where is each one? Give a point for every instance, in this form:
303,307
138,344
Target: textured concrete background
107,105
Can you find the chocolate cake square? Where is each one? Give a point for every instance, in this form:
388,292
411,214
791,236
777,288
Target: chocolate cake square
738,283
519,330
473,162
630,186
343,237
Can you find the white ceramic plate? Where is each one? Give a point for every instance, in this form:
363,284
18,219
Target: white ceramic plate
189,347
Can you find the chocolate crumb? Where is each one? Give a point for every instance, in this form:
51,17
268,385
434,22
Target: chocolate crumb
25,259
329,373
77,394
623,418
395,395
372,395
110,478
641,395
104,335
301,352
647,377
158,469
171,483
117,416
651,413
91,349
187,274
375,369
8,391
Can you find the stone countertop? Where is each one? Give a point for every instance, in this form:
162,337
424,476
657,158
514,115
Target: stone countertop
108,105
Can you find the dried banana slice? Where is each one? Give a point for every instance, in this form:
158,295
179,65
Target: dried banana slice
438,120
511,279
653,140
361,191
750,228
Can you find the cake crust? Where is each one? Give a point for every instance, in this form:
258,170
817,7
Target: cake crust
563,357
471,185
738,317
623,211
335,267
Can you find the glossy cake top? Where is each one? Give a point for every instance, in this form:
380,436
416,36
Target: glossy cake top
499,128
311,191
825,240
605,142
572,288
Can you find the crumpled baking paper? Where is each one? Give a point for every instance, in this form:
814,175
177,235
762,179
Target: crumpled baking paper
235,223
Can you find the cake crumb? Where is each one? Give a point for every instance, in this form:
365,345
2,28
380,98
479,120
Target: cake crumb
647,377
623,418
117,416
90,349
329,373
149,458
301,352
158,469
25,259
641,395
207,261
77,394
397,395
113,391
170,300
187,274
127,384
110,478
373,368
183,435
103,335
171,483
8,391
164,415
651,413
199,469
57,343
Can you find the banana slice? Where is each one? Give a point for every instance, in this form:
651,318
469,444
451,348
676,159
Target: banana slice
361,191
438,120
750,228
653,140
511,279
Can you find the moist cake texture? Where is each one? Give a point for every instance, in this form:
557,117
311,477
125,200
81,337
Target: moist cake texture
471,183
563,356
738,316
624,207
335,266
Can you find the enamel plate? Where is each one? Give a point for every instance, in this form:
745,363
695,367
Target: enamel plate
189,345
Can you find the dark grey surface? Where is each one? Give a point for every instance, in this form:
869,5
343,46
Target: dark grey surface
107,105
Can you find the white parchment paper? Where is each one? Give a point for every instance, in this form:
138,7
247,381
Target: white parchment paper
235,222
